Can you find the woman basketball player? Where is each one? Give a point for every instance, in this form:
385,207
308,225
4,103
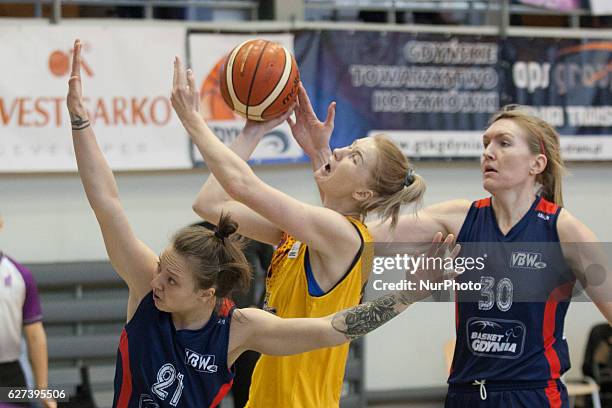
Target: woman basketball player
320,265
508,354
182,335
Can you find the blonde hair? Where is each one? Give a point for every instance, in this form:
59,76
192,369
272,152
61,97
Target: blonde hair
390,183
542,138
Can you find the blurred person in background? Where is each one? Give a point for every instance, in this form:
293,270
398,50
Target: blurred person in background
21,315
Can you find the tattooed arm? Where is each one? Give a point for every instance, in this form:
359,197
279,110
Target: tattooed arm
254,329
362,319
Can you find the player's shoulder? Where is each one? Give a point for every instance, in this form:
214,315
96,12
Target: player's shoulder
451,206
571,229
453,211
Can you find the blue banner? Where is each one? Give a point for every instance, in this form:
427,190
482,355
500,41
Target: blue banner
434,94
400,81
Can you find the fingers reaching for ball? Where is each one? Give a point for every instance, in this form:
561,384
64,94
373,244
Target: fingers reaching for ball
185,96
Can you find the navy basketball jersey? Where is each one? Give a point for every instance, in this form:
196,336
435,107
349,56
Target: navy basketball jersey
159,366
511,330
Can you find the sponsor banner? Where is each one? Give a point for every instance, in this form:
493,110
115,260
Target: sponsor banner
435,93
566,82
207,54
461,144
599,7
400,81
127,97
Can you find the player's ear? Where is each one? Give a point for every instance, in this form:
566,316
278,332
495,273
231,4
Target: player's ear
207,294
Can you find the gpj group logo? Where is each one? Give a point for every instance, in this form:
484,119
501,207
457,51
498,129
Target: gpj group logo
227,124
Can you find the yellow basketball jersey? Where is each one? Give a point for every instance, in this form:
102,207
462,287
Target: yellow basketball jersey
313,379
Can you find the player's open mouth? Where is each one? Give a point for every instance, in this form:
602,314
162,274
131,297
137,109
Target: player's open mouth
324,171
488,169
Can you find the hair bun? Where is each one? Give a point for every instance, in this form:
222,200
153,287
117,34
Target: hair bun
226,227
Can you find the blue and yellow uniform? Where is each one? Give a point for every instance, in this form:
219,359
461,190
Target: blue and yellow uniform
312,379
159,366
510,349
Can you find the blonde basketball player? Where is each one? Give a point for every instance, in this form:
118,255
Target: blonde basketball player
319,266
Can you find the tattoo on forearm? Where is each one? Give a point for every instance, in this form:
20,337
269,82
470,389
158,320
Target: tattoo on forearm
364,318
77,122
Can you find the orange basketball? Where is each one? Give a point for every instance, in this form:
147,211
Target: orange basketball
260,80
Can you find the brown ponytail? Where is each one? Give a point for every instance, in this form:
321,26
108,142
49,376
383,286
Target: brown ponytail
216,256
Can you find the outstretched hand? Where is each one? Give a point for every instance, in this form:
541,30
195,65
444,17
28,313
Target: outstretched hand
74,100
185,96
311,134
433,269
261,128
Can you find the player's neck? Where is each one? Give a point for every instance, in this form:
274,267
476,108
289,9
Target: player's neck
194,319
511,206
341,205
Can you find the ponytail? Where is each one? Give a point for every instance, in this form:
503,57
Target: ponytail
394,182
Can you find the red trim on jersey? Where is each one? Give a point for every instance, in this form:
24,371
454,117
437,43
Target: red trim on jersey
225,307
222,393
485,202
547,207
560,293
126,381
553,394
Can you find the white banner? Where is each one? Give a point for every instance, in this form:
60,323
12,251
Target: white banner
439,144
599,7
127,78
207,52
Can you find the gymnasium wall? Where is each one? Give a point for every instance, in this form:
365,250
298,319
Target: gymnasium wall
47,218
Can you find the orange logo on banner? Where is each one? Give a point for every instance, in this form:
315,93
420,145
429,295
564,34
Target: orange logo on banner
211,101
59,63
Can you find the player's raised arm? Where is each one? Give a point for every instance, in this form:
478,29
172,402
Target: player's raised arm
212,200
321,227
132,260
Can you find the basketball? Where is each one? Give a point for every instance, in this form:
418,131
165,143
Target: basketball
260,80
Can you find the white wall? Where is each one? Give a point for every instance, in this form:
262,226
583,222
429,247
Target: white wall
48,219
